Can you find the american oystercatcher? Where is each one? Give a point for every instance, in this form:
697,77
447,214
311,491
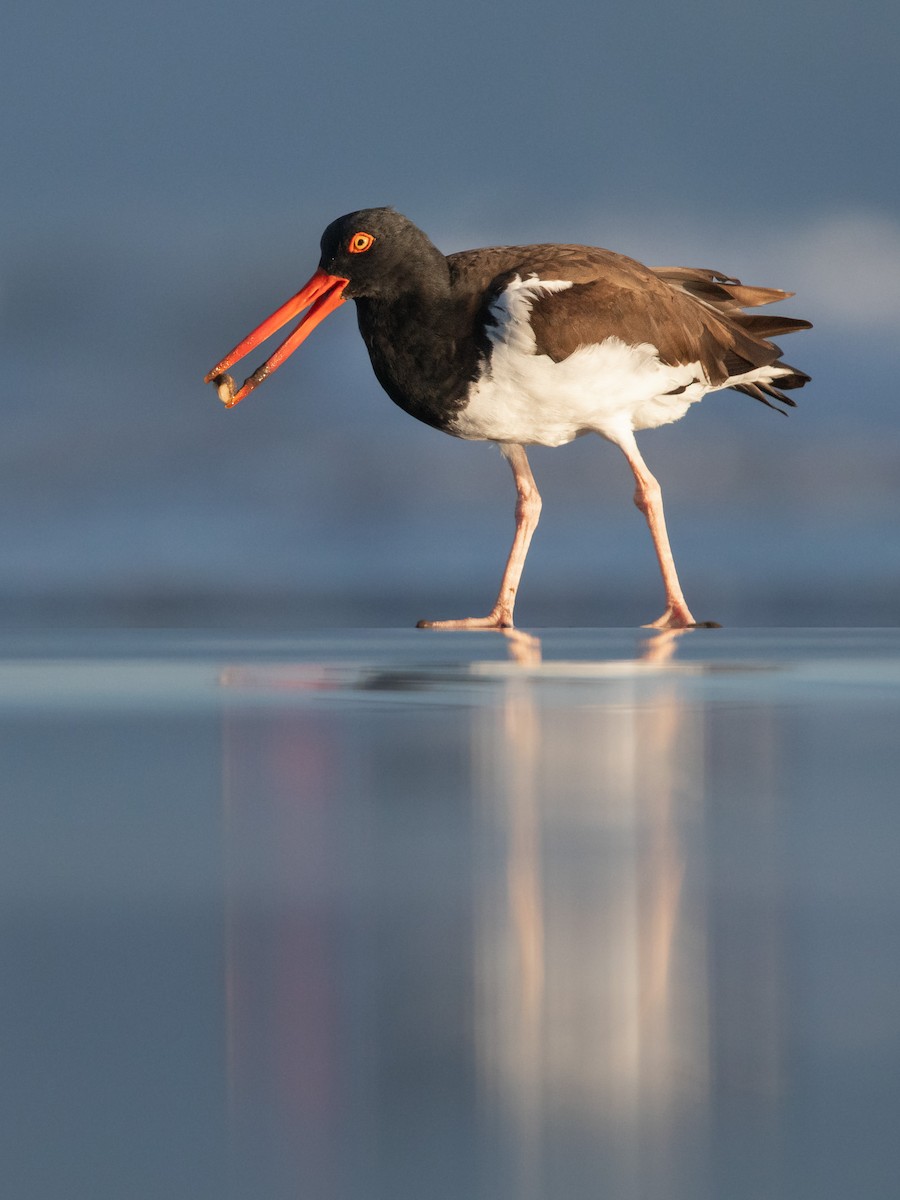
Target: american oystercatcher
536,345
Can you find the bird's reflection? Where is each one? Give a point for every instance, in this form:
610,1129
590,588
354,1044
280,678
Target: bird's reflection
516,871
590,958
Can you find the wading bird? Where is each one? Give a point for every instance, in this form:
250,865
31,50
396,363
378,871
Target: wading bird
536,345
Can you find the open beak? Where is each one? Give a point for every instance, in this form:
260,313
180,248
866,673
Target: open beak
324,292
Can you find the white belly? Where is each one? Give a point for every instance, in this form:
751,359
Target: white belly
525,397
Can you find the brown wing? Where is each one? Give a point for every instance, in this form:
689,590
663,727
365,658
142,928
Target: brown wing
689,314
611,295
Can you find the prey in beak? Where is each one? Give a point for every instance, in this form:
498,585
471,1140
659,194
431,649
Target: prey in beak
324,293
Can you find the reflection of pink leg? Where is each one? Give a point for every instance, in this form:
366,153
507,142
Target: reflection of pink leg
528,510
648,498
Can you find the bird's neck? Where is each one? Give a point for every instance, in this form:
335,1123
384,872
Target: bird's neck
422,349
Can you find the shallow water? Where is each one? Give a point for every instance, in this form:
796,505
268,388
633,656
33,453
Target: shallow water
407,914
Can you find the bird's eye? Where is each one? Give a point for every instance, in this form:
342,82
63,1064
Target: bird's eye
360,242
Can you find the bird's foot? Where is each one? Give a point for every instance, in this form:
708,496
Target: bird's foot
498,619
679,616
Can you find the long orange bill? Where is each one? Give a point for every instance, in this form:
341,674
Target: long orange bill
324,292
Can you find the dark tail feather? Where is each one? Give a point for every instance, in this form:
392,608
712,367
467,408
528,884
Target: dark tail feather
720,291
759,391
768,325
796,379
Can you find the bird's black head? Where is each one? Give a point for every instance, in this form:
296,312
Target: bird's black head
381,254
373,255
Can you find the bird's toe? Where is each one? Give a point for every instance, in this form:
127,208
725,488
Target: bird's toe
492,621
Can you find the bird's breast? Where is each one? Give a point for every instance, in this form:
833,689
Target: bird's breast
426,361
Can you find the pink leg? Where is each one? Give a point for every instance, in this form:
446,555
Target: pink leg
648,498
528,510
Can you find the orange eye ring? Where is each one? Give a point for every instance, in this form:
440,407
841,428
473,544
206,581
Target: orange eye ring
360,242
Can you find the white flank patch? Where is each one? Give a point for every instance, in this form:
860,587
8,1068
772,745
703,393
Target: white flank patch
609,388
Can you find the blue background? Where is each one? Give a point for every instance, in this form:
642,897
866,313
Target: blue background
167,172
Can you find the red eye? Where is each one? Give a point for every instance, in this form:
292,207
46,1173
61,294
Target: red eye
360,242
